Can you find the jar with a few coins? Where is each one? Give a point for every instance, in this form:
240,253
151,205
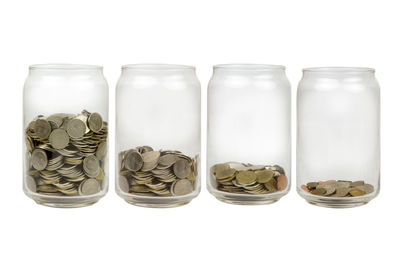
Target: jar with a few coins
249,135
65,129
158,135
338,136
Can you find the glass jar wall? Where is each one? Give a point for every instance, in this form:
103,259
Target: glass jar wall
65,134
158,135
338,141
249,141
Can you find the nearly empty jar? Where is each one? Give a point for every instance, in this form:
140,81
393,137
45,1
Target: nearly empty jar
158,135
65,132
338,136
248,149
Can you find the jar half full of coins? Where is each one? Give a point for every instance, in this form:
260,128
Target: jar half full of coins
249,143
338,137
158,135
65,129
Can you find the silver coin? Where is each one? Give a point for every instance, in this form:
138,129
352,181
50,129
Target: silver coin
182,187
30,183
89,187
95,122
91,166
42,128
151,156
123,184
182,168
133,160
76,128
59,139
167,160
101,150
39,159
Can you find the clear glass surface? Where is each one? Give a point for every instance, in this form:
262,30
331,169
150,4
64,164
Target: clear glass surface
55,94
248,124
338,135
157,105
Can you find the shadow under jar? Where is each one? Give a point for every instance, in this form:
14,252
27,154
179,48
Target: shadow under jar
158,135
65,134
249,140
338,136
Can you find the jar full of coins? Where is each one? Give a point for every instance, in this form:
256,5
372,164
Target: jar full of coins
65,134
158,135
338,139
249,140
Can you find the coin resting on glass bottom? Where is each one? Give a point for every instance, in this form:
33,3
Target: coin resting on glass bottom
66,154
240,178
144,171
338,188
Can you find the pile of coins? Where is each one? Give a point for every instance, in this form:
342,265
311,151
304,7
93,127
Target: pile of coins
338,188
239,178
144,171
66,154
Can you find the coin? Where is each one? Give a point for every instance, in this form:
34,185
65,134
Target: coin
225,173
76,128
241,178
30,183
56,119
89,187
56,163
182,187
339,188
95,122
39,159
182,168
264,176
42,128
160,171
91,166
282,182
123,184
356,192
318,191
167,160
59,138
133,160
341,192
101,150
246,177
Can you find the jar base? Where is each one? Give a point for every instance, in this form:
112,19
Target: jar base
242,199
337,203
65,202
246,202
157,202
156,205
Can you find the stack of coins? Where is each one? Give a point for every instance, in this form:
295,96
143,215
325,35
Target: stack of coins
144,171
235,177
338,188
66,154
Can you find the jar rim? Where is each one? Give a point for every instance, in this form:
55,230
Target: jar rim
339,69
157,67
249,66
64,66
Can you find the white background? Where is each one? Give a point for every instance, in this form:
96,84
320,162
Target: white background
202,33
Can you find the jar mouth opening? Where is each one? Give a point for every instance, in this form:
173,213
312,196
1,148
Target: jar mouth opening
157,67
249,67
340,70
62,66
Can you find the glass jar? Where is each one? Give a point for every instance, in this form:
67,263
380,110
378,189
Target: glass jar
249,140
158,135
65,134
338,141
